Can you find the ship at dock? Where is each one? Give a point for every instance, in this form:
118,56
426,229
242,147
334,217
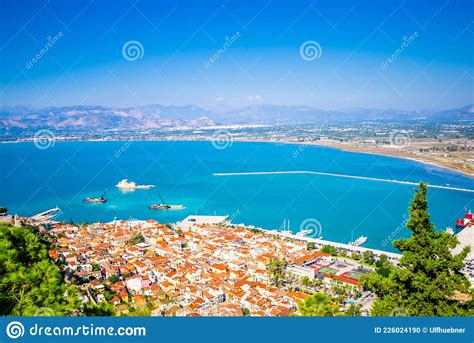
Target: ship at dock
359,241
127,185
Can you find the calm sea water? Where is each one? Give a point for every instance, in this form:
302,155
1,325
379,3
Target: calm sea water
33,180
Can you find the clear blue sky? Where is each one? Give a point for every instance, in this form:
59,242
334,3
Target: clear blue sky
263,65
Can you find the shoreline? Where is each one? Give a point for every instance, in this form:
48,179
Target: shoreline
313,143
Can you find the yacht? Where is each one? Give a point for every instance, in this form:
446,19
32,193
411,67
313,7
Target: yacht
359,241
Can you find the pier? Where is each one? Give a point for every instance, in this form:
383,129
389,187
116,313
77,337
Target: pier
46,217
344,176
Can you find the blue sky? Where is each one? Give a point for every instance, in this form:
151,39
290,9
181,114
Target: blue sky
262,65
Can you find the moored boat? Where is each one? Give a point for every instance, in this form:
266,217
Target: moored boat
98,200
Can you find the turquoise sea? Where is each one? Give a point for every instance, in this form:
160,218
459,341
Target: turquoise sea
35,179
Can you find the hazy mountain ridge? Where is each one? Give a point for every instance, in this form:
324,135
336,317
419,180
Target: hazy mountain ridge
161,116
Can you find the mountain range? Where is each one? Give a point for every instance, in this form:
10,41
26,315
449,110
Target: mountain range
182,117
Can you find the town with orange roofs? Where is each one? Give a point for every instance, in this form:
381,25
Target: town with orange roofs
201,266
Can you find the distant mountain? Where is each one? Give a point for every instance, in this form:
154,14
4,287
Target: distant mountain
189,117
100,117
463,113
303,114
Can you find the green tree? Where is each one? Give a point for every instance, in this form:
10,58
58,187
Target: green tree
383,265
305,281
102,309
428,276
353,310
30,284
278,269
310,246
368,257
355,256
318,304
329,250
136,238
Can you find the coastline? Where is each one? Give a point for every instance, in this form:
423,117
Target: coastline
368,151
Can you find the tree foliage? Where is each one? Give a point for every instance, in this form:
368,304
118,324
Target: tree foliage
102,309
329,250
428,275
136,238
278,269
30,284
319,304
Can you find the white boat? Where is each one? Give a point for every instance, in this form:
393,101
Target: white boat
359,241
304,232
125,184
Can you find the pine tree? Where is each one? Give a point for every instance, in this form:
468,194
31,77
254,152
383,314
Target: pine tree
428,276
319,304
